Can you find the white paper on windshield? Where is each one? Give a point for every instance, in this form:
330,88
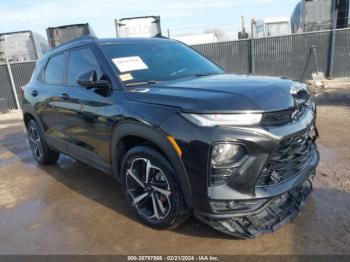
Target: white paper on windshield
131,63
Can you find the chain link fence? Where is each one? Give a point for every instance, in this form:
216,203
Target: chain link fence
13,77
293,56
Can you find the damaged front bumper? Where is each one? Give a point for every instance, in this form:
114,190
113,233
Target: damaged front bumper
251,202
270,217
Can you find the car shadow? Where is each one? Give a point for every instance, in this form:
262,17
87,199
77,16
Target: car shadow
106,191
91,183
333,97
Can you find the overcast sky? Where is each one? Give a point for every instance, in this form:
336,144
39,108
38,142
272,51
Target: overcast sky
181,16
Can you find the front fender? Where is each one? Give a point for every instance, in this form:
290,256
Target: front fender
158,138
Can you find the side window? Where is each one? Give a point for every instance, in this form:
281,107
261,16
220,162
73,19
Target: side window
81,61
54,70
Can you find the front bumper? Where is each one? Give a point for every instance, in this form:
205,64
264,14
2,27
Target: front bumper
275,213
241,205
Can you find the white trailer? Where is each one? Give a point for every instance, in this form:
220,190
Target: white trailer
22,46
143,26
272,27
197,39
61,34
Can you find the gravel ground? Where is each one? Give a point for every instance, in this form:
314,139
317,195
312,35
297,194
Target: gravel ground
70,208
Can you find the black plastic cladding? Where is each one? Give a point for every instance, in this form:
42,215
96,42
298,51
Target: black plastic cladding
279,211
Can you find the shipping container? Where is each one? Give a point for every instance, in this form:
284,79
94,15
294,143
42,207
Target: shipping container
61,34
22,46
144,26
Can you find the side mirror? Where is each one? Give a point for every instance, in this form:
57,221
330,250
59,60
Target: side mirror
89,80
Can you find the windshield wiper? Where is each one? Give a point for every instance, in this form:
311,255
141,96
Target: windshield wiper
205,74
143,83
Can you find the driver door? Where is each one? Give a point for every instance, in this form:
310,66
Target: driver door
83,124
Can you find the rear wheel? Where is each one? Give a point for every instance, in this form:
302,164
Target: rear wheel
151,188
40,150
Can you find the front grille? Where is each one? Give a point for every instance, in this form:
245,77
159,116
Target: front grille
279,118
288,160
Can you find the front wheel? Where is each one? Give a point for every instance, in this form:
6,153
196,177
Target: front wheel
151,188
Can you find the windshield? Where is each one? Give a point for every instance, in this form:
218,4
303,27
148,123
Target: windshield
151,62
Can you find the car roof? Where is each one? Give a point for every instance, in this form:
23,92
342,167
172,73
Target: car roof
91,39
85,40
132,40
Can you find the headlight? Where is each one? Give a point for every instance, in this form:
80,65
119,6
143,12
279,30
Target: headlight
225,154
225,157
300,92
246,119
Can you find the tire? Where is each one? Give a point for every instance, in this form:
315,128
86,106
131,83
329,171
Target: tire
40,150
159,202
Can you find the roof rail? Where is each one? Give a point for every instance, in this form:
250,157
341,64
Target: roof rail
85,37
160,36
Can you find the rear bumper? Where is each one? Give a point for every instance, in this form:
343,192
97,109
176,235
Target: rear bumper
276,212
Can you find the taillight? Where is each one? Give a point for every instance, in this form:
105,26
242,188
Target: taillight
21,90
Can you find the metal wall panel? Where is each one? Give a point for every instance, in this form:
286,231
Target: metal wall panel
288,56
7,98
232,56
341,67
22,72
291,56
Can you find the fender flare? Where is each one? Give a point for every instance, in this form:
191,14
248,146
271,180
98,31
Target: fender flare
158,138
35,117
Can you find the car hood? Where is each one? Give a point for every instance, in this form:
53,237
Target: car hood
219,93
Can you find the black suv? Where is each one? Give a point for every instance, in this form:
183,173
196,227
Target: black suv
179,134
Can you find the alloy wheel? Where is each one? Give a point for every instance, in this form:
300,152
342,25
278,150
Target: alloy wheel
149,189
35,143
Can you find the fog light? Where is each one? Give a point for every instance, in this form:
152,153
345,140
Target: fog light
238,205
226,154
220,175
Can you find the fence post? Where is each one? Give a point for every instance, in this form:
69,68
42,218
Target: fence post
252,47
333,39
14,90
252,56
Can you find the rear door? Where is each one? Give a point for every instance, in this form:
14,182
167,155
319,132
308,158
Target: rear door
47,94
84,123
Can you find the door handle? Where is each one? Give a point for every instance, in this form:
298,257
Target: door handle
34,93
64,96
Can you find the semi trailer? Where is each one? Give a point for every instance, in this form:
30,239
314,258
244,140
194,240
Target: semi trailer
22,46
143,26
61,34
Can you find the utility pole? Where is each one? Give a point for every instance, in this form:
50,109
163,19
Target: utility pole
243,33
252,24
